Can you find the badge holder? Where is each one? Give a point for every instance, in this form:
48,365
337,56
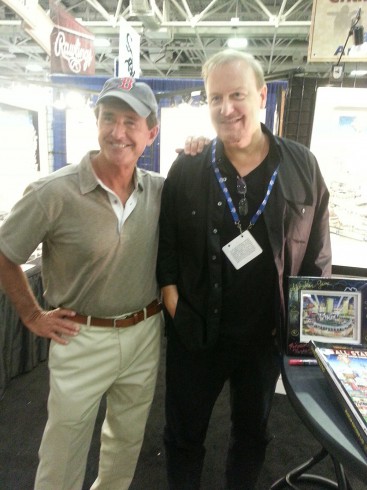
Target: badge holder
242,249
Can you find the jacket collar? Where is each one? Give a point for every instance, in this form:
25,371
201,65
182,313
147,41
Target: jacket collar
220,147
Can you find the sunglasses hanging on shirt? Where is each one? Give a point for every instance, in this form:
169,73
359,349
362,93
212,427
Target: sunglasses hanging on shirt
242,190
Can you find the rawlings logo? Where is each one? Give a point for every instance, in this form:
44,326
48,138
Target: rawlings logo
78,58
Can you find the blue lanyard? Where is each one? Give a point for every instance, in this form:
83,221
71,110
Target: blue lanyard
225,191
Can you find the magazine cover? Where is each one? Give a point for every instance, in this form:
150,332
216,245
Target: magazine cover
345,367
329,310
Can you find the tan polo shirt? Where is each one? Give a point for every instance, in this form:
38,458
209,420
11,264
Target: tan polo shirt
88,264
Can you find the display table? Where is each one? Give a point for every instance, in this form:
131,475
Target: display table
316,404
20,349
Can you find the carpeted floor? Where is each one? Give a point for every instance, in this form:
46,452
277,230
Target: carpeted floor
23,416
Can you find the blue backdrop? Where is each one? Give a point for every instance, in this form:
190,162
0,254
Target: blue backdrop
167,91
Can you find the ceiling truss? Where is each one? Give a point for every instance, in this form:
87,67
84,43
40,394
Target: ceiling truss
176,35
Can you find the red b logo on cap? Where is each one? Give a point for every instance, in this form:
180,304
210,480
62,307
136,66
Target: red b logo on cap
127,83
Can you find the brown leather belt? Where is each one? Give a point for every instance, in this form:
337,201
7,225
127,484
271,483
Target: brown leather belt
152,309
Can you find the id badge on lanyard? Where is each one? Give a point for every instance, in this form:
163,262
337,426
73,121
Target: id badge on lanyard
244,248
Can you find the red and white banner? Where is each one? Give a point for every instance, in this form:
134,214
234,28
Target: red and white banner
72,46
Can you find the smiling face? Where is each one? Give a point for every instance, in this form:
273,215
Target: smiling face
235,102
122,133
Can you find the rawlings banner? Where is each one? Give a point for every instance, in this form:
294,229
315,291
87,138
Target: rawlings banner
72,46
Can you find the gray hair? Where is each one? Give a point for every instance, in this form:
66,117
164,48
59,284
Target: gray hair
230,55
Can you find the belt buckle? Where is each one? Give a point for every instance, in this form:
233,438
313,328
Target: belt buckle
118,318
138,313
134,315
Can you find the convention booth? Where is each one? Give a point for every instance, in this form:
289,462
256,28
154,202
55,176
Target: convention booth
57,126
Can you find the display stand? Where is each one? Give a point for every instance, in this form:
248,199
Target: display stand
315,403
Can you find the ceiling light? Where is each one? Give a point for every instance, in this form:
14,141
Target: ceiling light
235,20
358,73
237,42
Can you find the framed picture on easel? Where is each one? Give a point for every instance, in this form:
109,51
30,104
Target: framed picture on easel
329,310
330,316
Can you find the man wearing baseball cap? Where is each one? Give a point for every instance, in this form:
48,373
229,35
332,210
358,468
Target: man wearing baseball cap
98,224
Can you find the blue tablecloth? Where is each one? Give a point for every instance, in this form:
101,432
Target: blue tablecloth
20,349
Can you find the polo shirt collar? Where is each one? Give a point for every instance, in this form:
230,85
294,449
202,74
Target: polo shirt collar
88,180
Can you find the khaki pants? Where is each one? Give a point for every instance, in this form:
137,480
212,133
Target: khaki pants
122,363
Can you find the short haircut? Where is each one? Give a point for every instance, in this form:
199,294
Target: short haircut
229,55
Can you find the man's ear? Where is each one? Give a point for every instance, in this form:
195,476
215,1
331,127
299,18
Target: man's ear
153,132
263,96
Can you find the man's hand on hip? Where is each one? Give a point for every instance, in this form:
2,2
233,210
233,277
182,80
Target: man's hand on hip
54,325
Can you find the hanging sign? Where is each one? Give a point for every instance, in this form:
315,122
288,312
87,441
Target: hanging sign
331,24
129,52
72,46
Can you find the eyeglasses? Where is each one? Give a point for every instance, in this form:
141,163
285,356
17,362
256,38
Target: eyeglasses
242,189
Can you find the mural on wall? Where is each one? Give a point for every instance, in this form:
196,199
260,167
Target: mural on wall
339,141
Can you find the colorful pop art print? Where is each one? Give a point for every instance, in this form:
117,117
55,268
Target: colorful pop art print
328,316
327,310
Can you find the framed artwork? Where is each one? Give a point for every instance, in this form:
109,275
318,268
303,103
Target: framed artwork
330,316
339,142
329,310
